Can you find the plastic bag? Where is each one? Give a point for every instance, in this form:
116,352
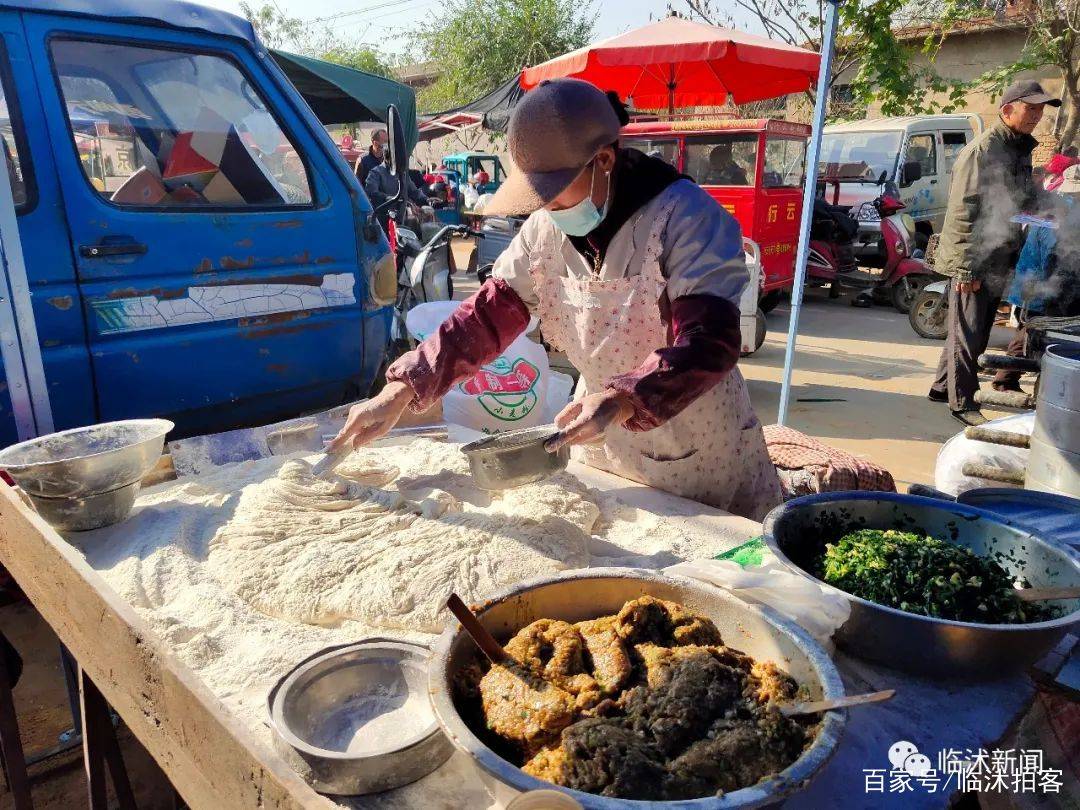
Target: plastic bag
949,470
508,393
755,575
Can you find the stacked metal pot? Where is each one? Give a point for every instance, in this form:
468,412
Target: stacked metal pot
1054,464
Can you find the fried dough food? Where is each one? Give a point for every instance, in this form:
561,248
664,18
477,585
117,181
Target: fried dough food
647,704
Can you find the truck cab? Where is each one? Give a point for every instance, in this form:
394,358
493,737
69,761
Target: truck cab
752,167
193,242
468,164
879,148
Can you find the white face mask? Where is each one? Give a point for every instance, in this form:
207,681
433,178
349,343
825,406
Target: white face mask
583,218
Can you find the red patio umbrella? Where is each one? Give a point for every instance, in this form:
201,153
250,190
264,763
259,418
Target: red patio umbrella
678,63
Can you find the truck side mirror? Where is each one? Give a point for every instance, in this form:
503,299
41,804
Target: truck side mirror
911,172
399,153
399,164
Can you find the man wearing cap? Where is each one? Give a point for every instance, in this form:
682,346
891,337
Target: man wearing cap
979,244
636,274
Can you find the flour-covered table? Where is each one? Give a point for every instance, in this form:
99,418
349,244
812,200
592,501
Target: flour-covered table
217,755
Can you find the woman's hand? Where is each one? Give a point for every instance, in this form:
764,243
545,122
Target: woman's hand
373,418
586,419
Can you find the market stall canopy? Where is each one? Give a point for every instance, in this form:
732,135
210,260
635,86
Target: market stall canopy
492,112
679,63
344,95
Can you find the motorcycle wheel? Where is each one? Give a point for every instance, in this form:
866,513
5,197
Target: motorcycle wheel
759,329
929,316
906,291
769,301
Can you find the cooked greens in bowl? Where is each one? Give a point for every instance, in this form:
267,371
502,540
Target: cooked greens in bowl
920,574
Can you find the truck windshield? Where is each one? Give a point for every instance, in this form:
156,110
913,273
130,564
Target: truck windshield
858,156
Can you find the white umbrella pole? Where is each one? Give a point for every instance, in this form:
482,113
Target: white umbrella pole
809,192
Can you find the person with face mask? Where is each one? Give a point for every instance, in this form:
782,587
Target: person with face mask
979,244
635,273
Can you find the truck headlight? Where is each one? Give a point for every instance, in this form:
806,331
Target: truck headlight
384,280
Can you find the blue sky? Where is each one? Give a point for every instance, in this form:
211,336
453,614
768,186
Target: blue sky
383,23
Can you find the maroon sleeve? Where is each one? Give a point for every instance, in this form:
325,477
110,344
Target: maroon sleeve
475,334
705,345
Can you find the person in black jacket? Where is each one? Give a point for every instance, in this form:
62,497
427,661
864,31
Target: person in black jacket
374,156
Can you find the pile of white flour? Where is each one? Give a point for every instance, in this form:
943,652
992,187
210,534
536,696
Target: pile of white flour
249,569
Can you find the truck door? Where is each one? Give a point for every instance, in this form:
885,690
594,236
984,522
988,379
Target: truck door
214,241
43,235
926,197
951,144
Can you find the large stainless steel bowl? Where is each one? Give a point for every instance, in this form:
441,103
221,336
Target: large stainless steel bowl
87,460
87,477
359,716
577,595
798,530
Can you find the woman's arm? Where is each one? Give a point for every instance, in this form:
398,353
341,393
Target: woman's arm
705,347
705,267
475,334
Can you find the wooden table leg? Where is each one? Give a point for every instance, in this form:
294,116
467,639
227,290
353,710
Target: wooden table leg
11,745
100,747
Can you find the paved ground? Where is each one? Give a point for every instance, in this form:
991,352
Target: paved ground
860,383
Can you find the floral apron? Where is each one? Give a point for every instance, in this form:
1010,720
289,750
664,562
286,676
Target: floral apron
714,450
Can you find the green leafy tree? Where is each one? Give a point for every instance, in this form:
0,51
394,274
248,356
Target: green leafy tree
1053,40
275,29
479,44
278,30
874,63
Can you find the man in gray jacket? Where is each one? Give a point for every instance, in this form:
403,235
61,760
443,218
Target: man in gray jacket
979,243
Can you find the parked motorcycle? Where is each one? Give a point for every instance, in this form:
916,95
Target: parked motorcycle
832,260
425,273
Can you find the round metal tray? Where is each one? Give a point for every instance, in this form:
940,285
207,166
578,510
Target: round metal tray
323,708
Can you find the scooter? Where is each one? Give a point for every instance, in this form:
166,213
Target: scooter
903,273
425,273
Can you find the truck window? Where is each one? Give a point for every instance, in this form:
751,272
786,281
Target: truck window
166,129
923,149
785,163
722,160
951,144
13,139
859,156
663,148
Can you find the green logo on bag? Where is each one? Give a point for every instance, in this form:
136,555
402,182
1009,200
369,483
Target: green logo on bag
504,388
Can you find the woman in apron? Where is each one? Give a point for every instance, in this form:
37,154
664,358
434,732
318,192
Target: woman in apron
636,274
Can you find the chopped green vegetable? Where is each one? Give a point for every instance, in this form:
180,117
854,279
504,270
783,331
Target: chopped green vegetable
924,575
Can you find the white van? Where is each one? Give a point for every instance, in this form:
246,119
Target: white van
862,154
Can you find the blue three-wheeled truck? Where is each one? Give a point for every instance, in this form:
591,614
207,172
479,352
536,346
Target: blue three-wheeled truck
194,246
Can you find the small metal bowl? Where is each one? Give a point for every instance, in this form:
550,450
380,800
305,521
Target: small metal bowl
515,458
87,477
359,715
88,512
